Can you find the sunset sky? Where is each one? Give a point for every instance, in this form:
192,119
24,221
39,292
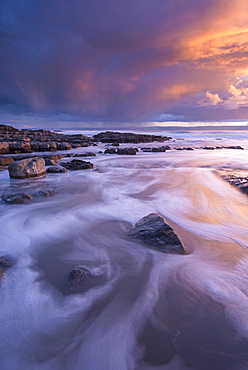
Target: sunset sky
118,61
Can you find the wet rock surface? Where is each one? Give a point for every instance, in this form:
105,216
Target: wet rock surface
16,141
153,231
26,168
77,164
121,151
17,198
241,182
56,169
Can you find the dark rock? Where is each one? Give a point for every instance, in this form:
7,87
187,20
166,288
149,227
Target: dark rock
121,151
18,198
6,262
5,161
64,146
127,151
118,137
238,181
31,167
161,149
87,154
110,151
56,169
45,193
50,162
153,230
77,164
77,276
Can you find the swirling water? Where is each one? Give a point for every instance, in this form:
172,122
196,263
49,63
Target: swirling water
148,310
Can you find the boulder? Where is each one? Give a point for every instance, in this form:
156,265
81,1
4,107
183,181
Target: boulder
30,167
127,151
56,169
153,231
77,164
17,198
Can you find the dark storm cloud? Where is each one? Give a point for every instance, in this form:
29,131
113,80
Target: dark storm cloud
117,60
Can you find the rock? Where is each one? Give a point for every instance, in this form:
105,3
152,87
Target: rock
110,151
238,181
77,164
121,151
77,276
56,169
64,146
6,262
19,146
45,193
4,147
5,161
17,198
87,154
153,230
158,149
31,167
50,162
127,151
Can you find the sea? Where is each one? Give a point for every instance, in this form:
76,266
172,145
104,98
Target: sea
147,310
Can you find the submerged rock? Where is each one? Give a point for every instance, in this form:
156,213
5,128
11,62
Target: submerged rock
153,231
77,277
30,167
6,262
17,198
77,164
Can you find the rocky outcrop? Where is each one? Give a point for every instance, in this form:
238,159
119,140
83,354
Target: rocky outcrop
32,167
119,137
153,231
5,263
77,164
25,141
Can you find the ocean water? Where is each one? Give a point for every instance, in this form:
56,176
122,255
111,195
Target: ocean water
145,310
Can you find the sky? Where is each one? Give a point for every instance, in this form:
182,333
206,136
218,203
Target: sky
117,62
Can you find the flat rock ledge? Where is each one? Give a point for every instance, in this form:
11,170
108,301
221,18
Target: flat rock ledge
153,231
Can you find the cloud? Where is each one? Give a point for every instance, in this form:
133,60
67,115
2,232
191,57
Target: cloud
122,61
